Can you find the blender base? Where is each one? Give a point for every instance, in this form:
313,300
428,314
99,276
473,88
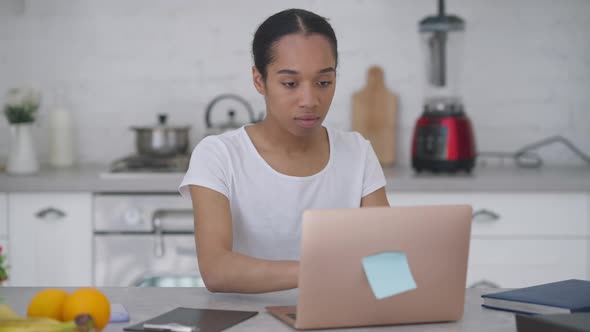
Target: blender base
443,166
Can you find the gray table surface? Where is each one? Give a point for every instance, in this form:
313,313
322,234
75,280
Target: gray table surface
94,178
145,303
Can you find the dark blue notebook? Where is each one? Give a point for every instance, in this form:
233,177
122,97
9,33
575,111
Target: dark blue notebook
560,297
576,322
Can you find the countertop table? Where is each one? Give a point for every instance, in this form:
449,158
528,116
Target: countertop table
491,178
145,303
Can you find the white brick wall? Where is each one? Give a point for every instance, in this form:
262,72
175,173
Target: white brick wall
526,70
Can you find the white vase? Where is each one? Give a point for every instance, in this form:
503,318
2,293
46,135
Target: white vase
22,158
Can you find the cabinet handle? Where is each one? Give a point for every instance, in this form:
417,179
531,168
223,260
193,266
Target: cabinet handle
50,213
485,215
159,250
484,284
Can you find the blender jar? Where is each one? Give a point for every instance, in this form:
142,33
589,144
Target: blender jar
442,39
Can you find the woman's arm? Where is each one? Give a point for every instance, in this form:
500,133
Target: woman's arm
222,269
376,198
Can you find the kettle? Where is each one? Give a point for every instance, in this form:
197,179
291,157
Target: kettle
230,123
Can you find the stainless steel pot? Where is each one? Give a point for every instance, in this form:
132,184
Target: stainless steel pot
161,140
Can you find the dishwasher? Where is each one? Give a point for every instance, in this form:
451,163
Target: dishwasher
144,240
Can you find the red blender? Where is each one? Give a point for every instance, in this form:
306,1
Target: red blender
443,139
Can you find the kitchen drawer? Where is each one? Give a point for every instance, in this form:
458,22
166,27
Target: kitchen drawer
525,262
545,215
3,215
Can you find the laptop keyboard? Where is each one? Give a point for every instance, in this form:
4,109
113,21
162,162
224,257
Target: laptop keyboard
292,315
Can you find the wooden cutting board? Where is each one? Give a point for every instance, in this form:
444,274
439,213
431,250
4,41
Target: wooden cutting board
374,115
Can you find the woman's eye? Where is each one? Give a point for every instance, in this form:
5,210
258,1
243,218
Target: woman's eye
290,84
324,83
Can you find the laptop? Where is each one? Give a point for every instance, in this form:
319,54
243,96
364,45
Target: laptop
334,290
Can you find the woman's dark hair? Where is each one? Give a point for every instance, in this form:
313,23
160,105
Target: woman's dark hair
290,21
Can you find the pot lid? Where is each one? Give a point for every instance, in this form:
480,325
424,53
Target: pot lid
162,124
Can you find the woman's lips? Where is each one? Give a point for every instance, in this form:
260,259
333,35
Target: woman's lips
307,121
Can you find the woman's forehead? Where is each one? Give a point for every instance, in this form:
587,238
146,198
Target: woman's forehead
303,54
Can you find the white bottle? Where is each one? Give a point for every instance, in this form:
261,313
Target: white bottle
61,134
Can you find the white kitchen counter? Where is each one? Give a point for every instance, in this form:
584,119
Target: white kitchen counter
88,178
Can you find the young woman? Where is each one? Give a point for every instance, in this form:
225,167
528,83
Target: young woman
249,187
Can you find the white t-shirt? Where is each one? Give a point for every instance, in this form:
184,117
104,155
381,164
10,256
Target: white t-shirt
266,206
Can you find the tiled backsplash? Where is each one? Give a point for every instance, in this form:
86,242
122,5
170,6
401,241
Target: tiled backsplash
526,67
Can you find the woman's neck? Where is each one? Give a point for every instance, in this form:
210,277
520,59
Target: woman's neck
281,140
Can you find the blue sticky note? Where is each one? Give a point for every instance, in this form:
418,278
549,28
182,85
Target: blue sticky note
388,274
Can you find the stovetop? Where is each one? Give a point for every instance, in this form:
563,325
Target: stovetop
137,164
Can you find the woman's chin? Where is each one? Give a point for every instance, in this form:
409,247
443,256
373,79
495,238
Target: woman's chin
306,129
308,123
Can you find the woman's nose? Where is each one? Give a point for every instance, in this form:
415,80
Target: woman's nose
308,97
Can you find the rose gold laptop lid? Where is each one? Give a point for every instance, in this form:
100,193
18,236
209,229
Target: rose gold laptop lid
333,287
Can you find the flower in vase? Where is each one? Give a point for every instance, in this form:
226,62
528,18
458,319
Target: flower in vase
3,267
22,105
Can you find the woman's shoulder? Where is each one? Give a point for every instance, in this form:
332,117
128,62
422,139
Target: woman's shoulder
227,143
226,139
346,138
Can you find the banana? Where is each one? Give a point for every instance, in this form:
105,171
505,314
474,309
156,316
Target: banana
6,313
36,325
10,321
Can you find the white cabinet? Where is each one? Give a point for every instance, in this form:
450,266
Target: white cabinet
520,239
50,239
522,262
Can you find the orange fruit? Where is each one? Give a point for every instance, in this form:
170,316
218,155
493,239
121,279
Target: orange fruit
89,301
47,303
